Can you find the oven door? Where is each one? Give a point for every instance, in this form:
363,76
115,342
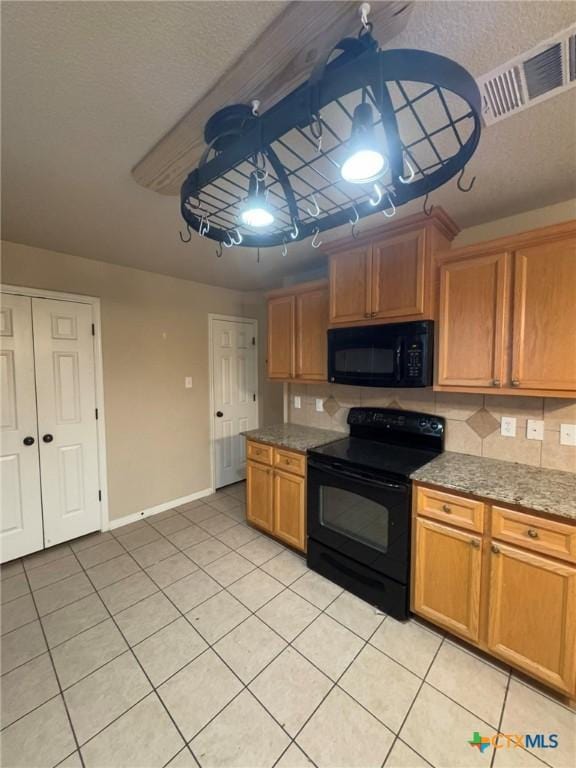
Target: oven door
362,517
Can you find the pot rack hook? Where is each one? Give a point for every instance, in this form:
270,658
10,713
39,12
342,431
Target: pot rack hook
427,210
238,239
255,107
219,251
378,191
353,222
411,174
230,241
315,242
392,206
284,248
315,213
460,185
184,240
295,231
364,11
204,226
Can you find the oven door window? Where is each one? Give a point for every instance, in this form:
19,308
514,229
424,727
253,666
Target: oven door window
356,517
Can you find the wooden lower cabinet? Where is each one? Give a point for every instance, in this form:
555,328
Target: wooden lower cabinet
260,495
509,588
276,493
289,503
447,573
532,615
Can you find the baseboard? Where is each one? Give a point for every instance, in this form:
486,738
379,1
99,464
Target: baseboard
135,516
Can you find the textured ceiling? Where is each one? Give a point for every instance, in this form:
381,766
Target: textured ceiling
89,87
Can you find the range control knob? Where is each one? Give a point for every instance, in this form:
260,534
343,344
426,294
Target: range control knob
434,425
423,423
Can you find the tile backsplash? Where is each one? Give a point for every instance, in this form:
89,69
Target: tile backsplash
472,421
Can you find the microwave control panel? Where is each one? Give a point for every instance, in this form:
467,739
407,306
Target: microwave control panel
414,361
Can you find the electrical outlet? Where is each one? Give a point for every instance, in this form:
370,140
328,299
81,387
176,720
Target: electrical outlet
535,429
567,434
188,382
297,401
319,404
508,426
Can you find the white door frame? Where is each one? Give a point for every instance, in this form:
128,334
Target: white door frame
233,318
94,302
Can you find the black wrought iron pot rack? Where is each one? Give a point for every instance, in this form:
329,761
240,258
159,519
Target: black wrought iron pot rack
297,144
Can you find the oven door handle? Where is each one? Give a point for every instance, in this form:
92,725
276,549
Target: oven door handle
336,471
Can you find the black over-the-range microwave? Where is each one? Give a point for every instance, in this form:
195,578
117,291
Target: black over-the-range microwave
393,355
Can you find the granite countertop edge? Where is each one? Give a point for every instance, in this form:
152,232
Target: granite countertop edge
293,437
549,491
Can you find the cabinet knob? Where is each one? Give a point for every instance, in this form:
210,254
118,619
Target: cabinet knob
446,508
515,382
532,533
475,543
495,382
495,549
366,314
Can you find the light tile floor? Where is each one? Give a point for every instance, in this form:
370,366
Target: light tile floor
190,639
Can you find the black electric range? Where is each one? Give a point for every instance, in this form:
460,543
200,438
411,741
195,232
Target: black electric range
359,502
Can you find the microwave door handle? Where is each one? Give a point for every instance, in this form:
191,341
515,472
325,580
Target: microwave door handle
398,361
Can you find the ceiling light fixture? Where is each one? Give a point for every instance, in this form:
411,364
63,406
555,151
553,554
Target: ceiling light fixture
365,163
260,170
255,213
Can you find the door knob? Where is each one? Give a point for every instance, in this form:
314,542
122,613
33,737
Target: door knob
48,438
28,441
219,414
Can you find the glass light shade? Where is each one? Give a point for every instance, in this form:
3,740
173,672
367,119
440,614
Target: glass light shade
363,165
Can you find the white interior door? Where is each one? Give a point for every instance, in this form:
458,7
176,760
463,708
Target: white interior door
66,396
235,386
21,510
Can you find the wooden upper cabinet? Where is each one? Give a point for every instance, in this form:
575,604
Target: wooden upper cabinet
532,615
297,332
311,337
388,275
350,285
472,321
398,276
281,337
544,328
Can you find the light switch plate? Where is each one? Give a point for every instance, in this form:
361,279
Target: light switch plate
567,434
188,382
297,401
535,429
319,404
508,426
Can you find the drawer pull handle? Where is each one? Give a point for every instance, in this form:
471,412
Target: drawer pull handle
495,549
495,382
446,508
475,543
532,533
515,382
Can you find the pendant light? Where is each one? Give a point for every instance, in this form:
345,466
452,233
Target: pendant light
365,162
255,212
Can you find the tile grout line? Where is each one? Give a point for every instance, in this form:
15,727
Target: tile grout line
64,702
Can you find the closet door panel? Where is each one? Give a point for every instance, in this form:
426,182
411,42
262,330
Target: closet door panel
64,354
20,510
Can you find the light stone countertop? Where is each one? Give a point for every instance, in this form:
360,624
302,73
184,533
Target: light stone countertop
294,437
543,490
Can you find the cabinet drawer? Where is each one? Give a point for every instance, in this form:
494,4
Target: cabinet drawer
455,510
537,533
260,452
291,462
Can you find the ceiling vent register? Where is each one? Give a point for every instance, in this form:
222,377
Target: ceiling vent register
369,131
544,71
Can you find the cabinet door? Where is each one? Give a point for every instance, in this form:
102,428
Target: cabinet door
259,496
311,339
532,618
349,286
544,337
447,567
281,337
290,509
398,274
472,321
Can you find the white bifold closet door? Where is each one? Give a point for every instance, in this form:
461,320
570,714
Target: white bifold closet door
50,489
